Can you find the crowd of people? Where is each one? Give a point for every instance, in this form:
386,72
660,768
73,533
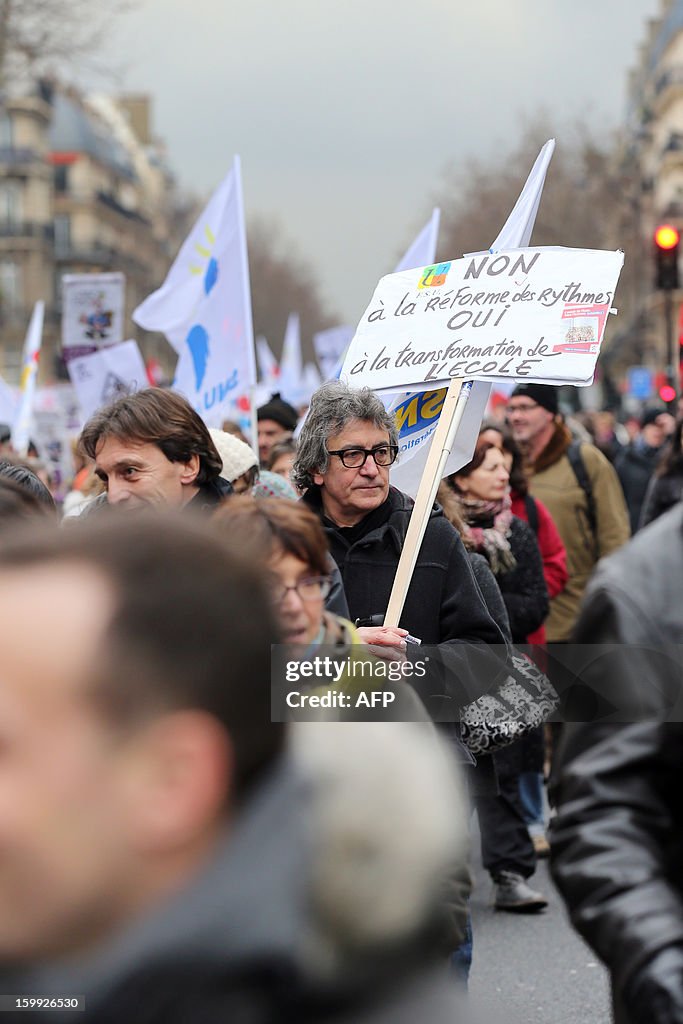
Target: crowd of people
172,849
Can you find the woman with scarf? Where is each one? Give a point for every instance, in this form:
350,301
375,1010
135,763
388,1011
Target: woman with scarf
481,492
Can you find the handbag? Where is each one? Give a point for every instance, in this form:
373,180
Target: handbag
523,701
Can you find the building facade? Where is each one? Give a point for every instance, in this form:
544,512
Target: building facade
84,187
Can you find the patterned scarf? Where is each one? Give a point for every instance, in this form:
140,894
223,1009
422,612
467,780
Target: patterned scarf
491,540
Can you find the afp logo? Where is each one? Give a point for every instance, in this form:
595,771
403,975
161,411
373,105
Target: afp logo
435,276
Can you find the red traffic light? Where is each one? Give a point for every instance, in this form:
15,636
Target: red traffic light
666,236
667,393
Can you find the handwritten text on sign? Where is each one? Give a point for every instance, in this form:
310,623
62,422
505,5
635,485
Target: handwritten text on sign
538,314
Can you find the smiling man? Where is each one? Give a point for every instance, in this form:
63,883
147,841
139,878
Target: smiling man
152,449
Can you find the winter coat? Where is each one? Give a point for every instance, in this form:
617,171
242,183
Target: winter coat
618,835
443,608
553,553
554,482
635,465
322,902
523,587
662,494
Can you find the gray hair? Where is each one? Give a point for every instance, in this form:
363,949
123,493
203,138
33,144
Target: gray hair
332,407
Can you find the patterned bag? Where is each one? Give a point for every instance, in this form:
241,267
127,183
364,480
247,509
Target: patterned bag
525,700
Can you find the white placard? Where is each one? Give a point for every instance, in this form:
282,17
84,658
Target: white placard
102,377
329,346
93,312
525,314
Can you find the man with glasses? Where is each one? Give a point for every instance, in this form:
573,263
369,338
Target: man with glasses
346,449
577,485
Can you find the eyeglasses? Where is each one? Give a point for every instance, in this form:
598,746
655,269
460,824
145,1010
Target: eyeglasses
310,588
528,407
355,458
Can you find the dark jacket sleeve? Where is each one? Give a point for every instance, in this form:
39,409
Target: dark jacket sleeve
523,588
617,790
470,658
336,599
490,591
662,494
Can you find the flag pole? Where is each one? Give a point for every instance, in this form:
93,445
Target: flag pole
442,444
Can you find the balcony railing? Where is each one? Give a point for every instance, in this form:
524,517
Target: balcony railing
20,156
26,229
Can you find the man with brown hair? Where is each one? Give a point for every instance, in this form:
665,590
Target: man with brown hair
152,448
164,855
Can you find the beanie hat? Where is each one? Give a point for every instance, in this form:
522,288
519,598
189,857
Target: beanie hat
272,485
279,411
650,416
237,456
543,394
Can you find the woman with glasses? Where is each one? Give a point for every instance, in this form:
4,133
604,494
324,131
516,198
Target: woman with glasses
288,539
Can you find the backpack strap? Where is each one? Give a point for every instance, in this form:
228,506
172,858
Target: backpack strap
581,474
531,512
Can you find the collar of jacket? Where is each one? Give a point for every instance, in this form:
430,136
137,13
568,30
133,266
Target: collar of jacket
554,450
210,494
396,526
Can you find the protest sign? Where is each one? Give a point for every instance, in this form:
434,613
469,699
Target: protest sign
56,422
534,314
102,377
93,312
329,346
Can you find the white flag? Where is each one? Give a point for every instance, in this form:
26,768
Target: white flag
9,403
422,251
204,306
29,375
310,382
418,412
269,368
102,377
291,363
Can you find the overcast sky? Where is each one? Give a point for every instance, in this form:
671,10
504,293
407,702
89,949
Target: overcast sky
346,113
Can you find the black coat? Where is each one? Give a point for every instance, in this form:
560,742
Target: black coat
635,465
523,588
444,605
617,840
662,494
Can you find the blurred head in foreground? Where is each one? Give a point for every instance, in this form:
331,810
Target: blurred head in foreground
127,734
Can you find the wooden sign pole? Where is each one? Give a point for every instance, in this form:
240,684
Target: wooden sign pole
442,444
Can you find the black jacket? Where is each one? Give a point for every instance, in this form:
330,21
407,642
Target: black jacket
523,587
635,465
617,840
662,494
444,605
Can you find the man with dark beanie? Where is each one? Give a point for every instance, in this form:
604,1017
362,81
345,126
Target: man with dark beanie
578,486
277,421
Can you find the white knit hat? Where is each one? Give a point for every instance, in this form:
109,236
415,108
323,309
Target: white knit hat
237,456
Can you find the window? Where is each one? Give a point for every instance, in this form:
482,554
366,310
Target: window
61,178
10,287
62,234
6,132
10,203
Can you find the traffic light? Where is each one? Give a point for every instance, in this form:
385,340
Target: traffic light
666,257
